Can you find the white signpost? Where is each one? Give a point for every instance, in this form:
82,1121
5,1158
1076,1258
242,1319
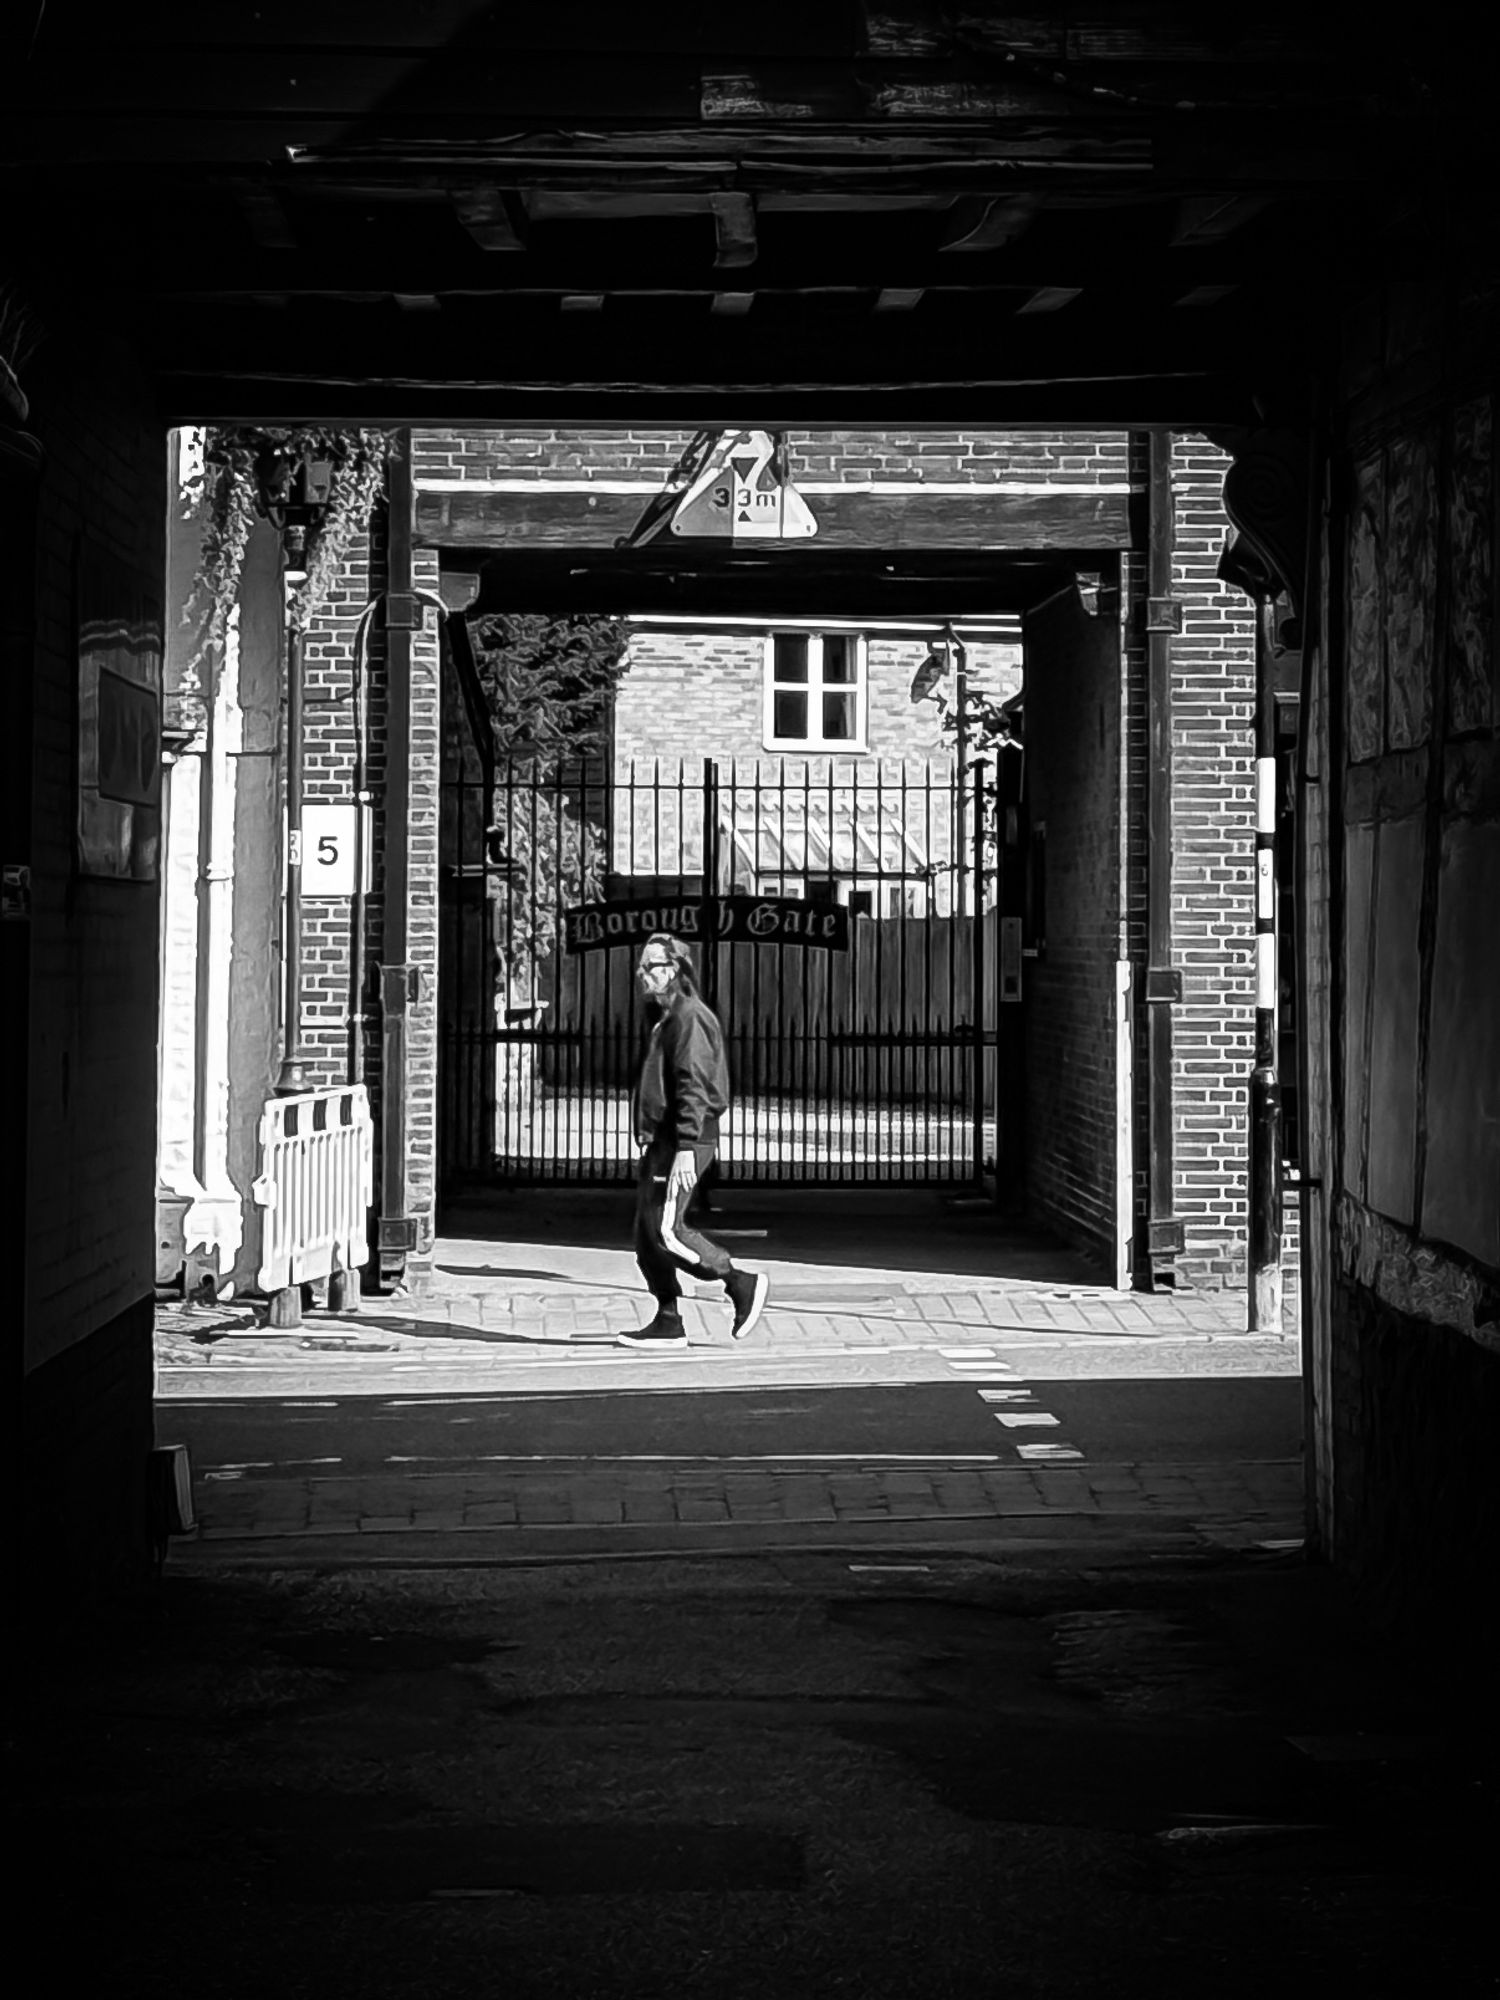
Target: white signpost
328,848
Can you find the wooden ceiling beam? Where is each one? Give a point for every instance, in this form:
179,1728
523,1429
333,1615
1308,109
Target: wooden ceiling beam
836,261
203,389
735,243
897,298
266,219
1209,218
494,217
1051,299
975,224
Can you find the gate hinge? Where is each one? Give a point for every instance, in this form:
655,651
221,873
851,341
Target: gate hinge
1163,983
403,613
1164,1236
1163,614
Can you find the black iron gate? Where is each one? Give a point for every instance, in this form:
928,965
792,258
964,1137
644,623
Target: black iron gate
848,932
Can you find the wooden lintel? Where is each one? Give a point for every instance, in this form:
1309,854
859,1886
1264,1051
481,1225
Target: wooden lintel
1050,299
494,217
1209,218
865,519
734,231
895,298
976,224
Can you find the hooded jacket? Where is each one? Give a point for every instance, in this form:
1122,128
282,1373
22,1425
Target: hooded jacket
684,1081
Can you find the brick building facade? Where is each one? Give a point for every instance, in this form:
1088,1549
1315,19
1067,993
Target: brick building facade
453,483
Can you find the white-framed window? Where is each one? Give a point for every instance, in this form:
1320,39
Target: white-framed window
815,691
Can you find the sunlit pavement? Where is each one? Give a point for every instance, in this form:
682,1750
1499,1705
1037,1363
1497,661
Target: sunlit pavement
897,1291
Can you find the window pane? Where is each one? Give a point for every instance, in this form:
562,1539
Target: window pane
838,718
838,656
791,656
789,716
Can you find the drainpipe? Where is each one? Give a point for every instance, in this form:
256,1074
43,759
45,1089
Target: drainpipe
399,981
292,1077
1163,981
354,1066
1265,1085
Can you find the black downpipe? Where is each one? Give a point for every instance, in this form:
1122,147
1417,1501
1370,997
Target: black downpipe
397,1229
1163,982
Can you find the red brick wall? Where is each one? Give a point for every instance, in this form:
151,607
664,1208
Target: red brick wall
1212,687
327,924
649,455
1213,878
1073,759
690,695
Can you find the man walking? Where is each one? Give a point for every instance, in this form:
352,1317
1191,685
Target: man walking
682,1092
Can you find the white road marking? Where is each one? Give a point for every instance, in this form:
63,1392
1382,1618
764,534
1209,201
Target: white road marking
1046,1451
1004,1395
1015,1419
705,1458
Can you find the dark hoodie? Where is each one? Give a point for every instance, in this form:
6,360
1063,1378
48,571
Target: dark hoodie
684,1080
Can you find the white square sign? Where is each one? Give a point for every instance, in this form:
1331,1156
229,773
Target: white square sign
328,844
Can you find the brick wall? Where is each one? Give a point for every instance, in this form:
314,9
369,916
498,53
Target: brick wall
327,936
834,454
687,695
1213,876
1073,710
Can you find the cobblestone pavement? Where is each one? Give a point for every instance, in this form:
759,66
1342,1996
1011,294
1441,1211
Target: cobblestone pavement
1239,1504
536,1316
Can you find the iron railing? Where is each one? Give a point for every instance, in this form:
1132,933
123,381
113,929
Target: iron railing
871,1063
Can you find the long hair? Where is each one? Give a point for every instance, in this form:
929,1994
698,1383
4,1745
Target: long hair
681,957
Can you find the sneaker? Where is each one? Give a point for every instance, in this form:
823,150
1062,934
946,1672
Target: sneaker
666,1330
747,1294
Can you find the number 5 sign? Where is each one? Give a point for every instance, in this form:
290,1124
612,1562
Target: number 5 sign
328,844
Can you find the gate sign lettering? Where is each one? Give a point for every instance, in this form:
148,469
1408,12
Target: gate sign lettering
629,921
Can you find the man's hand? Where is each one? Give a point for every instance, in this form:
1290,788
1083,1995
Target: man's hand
683,1175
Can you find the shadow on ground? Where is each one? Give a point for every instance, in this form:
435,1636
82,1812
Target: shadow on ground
914,1230
780,1776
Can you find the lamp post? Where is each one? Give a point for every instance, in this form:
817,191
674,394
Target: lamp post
294,496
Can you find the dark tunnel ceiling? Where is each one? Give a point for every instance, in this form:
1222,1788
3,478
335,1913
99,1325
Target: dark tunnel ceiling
1132,214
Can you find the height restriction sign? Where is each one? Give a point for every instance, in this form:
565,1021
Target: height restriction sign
745,493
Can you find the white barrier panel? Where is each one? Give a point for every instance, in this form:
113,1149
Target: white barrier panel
316,1184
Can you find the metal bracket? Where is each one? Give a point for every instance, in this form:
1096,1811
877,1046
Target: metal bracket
1163,614
1164,1236
398,1232
1163,984
403,612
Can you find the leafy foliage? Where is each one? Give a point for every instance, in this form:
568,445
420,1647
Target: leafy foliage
549,682
249,471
